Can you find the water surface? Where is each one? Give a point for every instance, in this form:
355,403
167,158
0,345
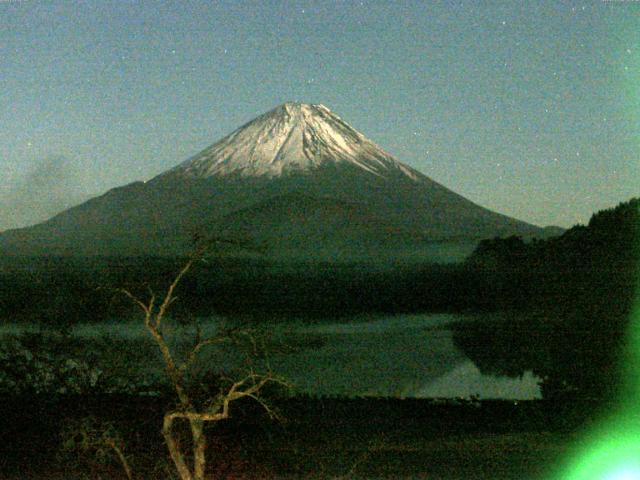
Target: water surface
380,355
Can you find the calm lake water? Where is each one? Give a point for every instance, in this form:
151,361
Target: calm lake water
403,356
381,355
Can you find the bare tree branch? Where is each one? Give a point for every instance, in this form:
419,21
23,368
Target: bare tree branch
169,298
219,408
193,353
145,308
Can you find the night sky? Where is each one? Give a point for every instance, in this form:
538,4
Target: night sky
529,108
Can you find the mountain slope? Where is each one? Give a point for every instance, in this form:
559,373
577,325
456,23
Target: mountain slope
287,224
295,162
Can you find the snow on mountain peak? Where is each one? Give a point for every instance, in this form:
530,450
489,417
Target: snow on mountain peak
291,138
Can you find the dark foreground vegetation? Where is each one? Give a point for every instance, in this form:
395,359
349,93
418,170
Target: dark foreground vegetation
59,437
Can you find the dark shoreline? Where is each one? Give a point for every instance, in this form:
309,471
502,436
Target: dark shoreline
30,433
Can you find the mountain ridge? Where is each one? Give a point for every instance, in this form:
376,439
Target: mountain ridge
327,166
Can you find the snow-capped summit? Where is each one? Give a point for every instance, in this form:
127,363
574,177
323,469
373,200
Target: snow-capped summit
291,138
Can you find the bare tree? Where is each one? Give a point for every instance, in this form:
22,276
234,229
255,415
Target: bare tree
197,414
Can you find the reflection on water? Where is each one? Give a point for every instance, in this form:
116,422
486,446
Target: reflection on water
404,355
401,355
466,380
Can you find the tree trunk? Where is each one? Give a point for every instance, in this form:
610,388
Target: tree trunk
174,450
199,449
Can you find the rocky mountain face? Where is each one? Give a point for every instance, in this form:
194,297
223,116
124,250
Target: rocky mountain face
297,181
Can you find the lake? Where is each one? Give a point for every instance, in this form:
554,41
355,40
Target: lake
366,355
399,356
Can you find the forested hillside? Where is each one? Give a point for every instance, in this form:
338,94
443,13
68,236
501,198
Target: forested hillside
562,305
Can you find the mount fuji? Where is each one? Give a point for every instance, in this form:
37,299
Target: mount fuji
297,180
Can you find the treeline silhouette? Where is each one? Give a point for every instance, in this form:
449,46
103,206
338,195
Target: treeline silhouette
563,305
62,291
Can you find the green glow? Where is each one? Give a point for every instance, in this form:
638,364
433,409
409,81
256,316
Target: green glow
611,451
630,472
